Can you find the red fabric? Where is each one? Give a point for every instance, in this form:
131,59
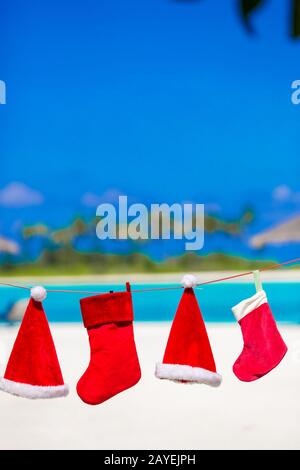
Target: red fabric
107,308
33,359
114,365
263,348
188,342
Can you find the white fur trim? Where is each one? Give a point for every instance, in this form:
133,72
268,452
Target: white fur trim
38,293
33,391
179,373
248,305
189,280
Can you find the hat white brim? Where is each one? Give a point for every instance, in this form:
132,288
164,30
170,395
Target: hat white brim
33,391
183,373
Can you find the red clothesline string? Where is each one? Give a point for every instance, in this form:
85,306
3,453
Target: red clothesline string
151,289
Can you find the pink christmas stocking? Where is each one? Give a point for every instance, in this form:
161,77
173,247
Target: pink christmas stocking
114,365
264,347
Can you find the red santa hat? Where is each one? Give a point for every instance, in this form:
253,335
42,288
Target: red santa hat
188,356
33,369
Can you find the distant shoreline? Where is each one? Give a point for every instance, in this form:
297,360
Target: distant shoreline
279,275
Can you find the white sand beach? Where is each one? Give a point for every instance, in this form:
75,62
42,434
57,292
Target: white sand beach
276,275
159,414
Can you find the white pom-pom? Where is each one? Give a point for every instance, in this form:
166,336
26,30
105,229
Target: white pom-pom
38,293
189,280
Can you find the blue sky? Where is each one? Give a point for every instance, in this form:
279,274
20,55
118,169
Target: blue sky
156,99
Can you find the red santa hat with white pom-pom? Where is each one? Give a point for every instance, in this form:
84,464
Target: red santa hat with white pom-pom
33,370
188,356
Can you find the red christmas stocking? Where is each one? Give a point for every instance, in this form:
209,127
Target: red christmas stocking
264,348
114,365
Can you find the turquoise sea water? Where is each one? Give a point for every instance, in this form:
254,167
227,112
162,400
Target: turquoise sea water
215,301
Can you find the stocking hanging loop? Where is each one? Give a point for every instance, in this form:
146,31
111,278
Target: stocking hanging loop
257,280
